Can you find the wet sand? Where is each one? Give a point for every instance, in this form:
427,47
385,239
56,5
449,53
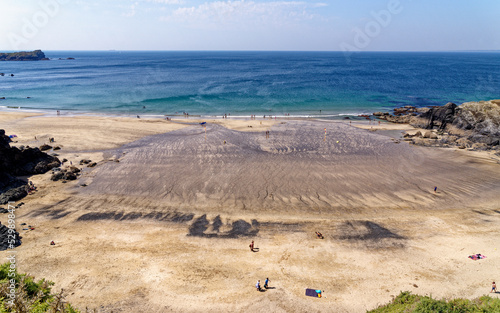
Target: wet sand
167,228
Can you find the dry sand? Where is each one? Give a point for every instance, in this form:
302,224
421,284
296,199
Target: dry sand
167,228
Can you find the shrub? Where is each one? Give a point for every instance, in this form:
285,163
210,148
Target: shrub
406,302
31,295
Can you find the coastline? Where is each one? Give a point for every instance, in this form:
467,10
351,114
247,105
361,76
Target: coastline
376,215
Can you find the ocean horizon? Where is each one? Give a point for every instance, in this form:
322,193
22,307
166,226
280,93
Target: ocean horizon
244,83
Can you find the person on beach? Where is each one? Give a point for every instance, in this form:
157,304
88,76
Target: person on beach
251,246
258,285
320,235
493,288
266,283
435,189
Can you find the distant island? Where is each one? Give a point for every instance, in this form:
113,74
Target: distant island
36,55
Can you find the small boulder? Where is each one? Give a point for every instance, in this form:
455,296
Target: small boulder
74,169
70,176
45,147
57,176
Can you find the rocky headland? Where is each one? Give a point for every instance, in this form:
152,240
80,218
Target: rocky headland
36,55
22,161
471,125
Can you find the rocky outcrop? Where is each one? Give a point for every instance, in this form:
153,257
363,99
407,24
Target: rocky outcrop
65,174
472,125
439,117
36,55
6,241
20,162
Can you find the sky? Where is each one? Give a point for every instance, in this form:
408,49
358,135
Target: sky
301,25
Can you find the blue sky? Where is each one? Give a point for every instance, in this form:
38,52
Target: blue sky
360,25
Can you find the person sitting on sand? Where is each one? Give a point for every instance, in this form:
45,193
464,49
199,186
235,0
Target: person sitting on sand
52,243
320,235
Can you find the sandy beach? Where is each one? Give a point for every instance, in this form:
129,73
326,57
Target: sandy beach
164,221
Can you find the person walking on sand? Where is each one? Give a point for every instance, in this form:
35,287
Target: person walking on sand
258,285
251,246
493,288
266,283
435,189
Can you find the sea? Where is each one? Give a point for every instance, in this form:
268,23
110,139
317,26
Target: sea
240,84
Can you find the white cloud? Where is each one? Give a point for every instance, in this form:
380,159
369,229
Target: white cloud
132,10
166,1
241,12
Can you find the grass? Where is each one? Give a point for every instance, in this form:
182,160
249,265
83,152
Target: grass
406,302
31,296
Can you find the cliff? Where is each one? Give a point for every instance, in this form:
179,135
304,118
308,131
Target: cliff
473,125
36,55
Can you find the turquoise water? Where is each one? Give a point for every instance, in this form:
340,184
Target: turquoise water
244,83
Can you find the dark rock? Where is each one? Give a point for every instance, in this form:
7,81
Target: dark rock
85,161
92,164
20,162
66,174
69,176
45,166
440,116
14,194
57,148
45,147
487,140
57,176
5,238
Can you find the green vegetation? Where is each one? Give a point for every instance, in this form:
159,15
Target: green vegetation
23,56
406,302
30,295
